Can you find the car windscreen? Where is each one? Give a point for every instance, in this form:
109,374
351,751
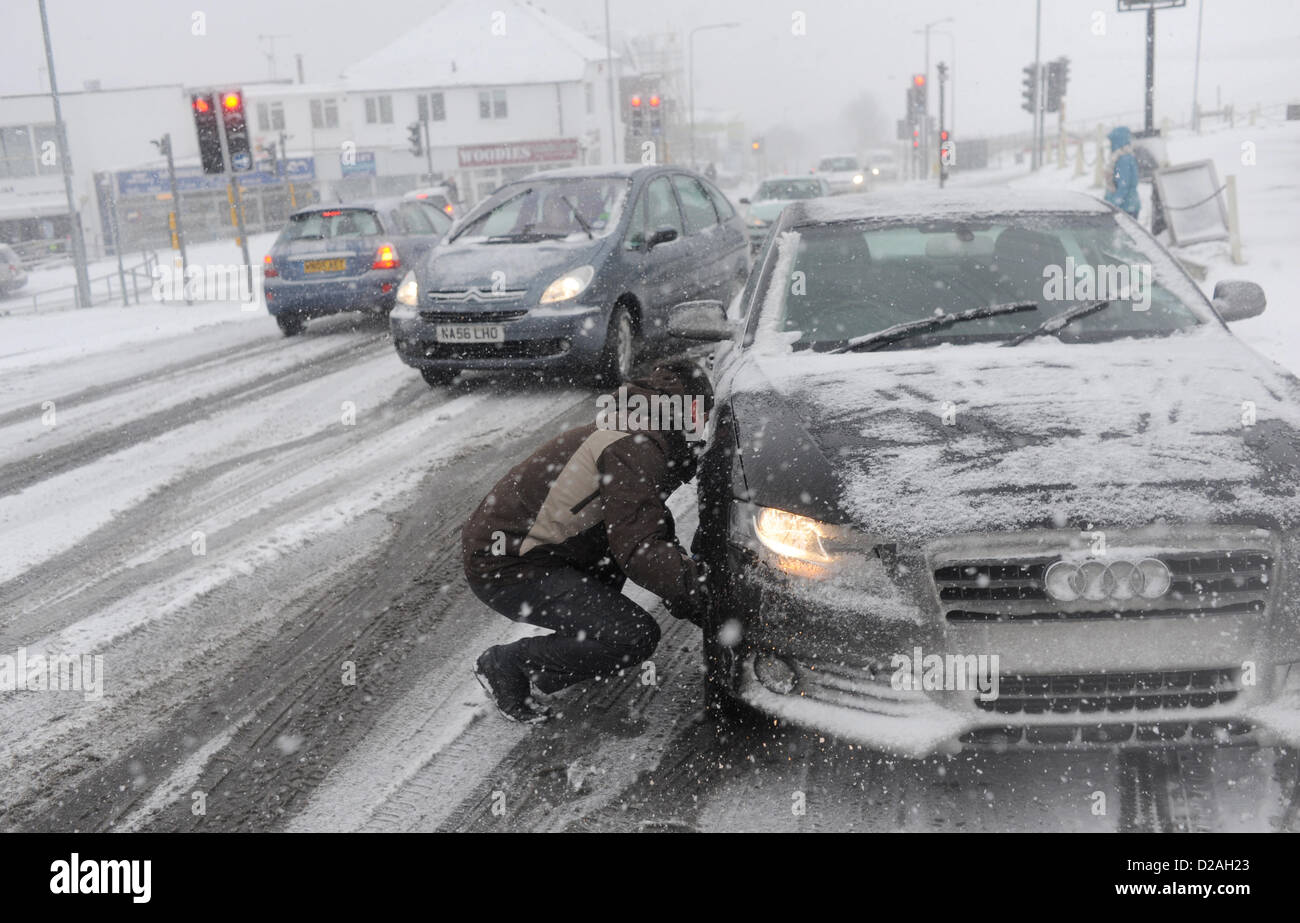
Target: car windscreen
550,208
788,189
330,224
834,164
852,279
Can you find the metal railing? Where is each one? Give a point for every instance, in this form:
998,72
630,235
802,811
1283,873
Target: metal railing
137,277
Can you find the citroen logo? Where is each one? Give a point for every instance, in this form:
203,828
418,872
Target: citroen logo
1148,578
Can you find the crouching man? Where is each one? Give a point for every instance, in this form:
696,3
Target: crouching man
556,538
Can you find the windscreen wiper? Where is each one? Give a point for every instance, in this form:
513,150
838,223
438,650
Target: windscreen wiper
582,221
1059,322
893,334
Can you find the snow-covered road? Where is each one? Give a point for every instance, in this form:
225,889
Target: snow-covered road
260,537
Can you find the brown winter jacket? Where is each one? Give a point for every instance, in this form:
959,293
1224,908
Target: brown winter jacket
593,499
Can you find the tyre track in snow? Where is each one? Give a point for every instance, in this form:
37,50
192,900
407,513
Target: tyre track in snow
284,687
16,476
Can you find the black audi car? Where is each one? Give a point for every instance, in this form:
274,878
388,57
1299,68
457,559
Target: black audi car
991,472
571,271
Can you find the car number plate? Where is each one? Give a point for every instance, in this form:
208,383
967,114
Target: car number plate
470,333
324,265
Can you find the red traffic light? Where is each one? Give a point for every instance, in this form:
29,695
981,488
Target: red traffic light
943,135
918,80
654,102
201,104
231,101
636,102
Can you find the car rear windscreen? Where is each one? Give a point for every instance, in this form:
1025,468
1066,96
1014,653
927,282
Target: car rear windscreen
332,223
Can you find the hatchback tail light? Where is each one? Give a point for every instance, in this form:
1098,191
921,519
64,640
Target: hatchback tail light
386,258
268,268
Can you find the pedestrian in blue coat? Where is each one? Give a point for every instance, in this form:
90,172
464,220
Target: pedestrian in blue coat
1122,181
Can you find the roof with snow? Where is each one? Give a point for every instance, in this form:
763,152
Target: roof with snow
907,203
467,43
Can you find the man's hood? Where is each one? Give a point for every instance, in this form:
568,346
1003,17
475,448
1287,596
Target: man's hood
917,444
1119,137
664,421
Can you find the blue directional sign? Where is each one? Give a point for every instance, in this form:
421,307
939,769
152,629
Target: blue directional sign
192,179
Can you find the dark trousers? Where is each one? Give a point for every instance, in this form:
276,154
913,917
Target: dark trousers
597,630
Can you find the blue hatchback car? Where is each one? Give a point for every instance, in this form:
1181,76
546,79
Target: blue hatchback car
333,258
569,270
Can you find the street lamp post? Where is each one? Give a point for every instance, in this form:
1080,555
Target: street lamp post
690,77
65,163
925,121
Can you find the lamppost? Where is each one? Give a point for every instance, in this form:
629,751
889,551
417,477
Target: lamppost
690,74
925,122
952,79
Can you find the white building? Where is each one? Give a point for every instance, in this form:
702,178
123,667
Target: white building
504,89
504,92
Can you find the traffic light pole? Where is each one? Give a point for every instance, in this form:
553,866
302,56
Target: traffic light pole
428,151
176,211
232,182
1036,159
943,79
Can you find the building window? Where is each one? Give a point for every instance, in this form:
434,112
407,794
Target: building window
324,113
28,150
492,104
431,108
379,109
270,116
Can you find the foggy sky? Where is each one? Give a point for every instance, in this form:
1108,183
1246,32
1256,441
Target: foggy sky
759,70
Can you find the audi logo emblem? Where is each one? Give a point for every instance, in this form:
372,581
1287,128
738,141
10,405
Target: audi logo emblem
1097,580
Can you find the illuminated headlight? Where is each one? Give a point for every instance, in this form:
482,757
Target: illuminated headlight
796,544
875,171
408,298
857,179
568,285
1107,580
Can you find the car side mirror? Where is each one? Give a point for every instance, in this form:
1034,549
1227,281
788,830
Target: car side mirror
743,201
1237,299
661,236
700,320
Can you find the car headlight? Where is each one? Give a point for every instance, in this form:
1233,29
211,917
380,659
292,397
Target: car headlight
875,171
857,179
408,297
797,544
568,285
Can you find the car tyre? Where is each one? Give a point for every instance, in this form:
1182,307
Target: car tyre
438,378
615,363
290,324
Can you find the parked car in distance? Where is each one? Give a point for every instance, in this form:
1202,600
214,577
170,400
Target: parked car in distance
571,271
12,274
936,455
843,172
773,195
882,166
439,196
346,257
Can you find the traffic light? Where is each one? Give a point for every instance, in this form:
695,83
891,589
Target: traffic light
638,118
232,116
1030,91
205,122
656,114
413,135
756,145
1058,75
916,138
916,97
